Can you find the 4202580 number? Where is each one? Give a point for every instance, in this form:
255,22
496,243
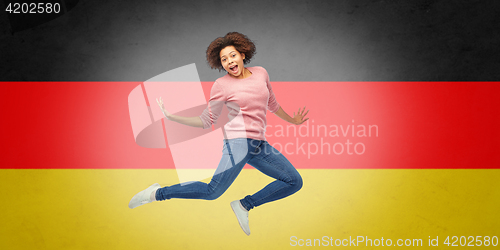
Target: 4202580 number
471,241
33,8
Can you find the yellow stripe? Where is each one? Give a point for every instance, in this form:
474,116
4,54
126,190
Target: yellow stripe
87,209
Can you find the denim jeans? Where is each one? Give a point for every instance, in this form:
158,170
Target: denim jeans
235,154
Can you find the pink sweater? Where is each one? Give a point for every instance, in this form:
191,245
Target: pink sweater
247,101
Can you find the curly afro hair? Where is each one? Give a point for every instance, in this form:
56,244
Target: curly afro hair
240,42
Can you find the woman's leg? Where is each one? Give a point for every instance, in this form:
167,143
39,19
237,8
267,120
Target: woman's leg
234,156
271,162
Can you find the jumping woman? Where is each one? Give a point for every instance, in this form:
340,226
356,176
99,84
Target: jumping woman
248,93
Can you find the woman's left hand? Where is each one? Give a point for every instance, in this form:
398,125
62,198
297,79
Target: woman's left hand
299,118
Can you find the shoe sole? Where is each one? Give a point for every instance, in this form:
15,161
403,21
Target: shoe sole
156,185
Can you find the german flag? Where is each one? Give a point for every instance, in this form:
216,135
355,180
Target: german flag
383,163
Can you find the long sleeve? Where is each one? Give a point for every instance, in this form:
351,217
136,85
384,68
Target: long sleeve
214,108
272,104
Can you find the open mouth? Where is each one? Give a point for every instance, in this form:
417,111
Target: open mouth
234,69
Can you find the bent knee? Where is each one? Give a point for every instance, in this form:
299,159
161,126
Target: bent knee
297,183
214,194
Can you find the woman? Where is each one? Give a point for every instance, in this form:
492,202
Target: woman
248,94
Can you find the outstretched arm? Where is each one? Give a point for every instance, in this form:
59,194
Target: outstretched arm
297,119
190,121
194,121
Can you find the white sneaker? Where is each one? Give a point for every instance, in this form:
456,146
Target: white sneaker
143,197
241,215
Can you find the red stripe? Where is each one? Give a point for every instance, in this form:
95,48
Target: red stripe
86,125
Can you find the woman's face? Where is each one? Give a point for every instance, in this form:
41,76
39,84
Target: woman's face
232,61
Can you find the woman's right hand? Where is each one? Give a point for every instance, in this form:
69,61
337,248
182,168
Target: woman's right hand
165,112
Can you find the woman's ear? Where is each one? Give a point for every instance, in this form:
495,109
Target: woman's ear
243,55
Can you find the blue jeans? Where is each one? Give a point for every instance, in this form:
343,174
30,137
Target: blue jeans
235,154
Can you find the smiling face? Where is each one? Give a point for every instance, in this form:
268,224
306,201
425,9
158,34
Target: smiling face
232,61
